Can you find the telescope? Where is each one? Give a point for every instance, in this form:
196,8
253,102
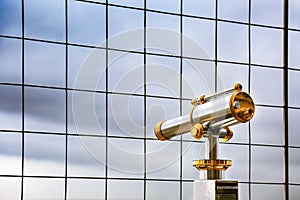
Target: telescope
210,118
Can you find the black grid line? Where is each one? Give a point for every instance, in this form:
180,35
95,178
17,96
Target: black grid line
286,97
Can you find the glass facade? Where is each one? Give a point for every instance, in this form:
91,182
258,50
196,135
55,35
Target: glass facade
83,83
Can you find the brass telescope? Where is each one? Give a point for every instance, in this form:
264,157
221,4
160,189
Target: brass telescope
210,118
209,114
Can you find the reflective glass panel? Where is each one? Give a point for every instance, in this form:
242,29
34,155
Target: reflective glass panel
125,28
294,165
162,190
163,159
45,110
10,153
10,60
267,12
125,72
125,158
86,156
294,48
294,14
234,37
262,191
267,164
125,189
237,10
45,64
85,189
11,17
44,188
86,113
160,70
44,155
163,35
198,38
86,23
294,127
11,107
205,8
45,19
267,126
266,86
294,88
166,5
126,121
86,68
10,187
266,46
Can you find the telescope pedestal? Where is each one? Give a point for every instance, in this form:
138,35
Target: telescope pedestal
216,190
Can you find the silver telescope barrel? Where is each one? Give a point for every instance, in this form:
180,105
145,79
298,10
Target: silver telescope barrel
215,112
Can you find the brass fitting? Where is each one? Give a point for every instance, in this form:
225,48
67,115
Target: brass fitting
197,131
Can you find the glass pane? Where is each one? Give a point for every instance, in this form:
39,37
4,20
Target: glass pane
294,165
294,48
125,28
45,64
294,14
163,35
294,88
187,190
294,192
44,188
260,191
239,154
236,10
267,12
266,85
197,78
51,19
86,113
126,116
86,68
191,151
45,110
11,17
162,190
125,158
229,74
198,38
126,72
86,23
267,165
294,127
166,5
266,46
163,159
159,109
235,37
86,156
10,154
160,70
10,188
243,191
10,60
205,8
11,107
267,126
124,189
44,155
133,3
85,189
